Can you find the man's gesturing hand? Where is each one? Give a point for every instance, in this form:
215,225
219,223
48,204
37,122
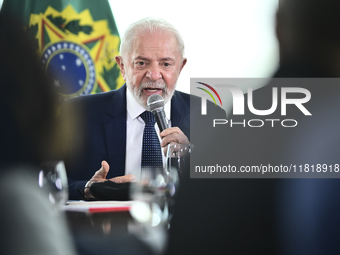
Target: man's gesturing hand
100,176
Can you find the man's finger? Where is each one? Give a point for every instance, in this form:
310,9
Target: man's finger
174,138
123,179
171,130
102,172
105,167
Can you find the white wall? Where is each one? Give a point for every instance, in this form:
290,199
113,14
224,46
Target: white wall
224,38
229,38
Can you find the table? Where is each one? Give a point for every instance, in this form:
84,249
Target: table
110,232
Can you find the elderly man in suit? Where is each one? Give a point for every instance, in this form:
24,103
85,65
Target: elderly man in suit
151,61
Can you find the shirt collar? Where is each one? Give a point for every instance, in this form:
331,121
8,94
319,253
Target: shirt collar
134,109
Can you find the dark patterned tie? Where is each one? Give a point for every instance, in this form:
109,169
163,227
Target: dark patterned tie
151,149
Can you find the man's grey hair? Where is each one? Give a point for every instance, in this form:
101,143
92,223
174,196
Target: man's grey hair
148,25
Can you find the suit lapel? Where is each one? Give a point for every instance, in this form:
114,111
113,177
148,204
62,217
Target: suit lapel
115,126
115,132
180,113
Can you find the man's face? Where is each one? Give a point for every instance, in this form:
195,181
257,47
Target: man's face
152,67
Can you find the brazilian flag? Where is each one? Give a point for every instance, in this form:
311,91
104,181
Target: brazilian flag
77,41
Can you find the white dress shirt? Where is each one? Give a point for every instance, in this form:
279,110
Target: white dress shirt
134,134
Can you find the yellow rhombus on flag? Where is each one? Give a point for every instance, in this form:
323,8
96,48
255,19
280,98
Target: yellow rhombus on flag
77,41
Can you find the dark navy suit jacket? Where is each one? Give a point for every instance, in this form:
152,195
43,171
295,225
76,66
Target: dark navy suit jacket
104,134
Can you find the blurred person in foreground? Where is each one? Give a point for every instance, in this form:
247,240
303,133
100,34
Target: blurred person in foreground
29,135
152,58
275,216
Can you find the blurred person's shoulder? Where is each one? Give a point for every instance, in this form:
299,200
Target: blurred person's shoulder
27,215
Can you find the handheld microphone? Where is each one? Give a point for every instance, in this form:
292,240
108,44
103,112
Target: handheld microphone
156,106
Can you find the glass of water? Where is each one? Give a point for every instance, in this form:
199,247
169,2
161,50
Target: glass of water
178,157
53,179
149,206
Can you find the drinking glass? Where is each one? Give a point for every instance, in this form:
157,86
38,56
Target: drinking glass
149,196
53,179
150,209
178,157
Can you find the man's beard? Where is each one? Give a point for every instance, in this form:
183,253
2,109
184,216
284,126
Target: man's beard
137,92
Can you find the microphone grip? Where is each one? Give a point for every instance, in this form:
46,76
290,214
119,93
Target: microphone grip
160,119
